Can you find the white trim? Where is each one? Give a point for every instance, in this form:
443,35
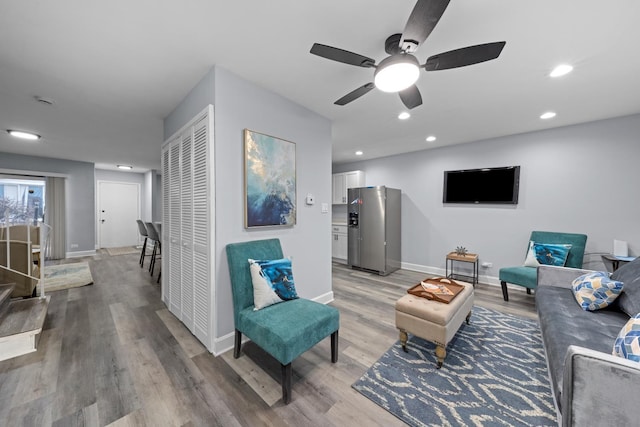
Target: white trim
324,298
33,173
19,344
208,110
79,254
489,280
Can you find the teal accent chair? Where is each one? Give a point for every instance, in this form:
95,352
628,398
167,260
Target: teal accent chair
284,330
528,276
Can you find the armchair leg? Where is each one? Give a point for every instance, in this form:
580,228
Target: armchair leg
334,347
286,383
238,344
505,293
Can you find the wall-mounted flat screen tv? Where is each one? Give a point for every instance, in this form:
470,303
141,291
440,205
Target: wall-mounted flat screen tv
476,186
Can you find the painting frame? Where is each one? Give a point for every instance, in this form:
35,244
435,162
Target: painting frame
270,181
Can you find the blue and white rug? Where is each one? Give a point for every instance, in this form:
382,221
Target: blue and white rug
66,276
494,374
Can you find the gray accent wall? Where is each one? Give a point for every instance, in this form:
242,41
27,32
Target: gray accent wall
239,104
579,178
80,194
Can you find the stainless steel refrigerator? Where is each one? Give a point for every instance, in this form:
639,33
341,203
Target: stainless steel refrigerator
374,229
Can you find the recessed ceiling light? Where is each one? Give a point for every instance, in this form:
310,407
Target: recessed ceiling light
404,115
548,115
431,138
24,135
127,167
561,70
359,153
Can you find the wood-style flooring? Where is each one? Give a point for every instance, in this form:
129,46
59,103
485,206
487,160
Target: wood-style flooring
112,354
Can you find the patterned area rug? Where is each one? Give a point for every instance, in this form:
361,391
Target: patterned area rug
65,276
494,374
126,250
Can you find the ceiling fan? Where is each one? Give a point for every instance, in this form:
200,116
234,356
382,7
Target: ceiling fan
399,71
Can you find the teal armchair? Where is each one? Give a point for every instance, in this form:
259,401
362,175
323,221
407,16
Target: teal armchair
284,330
527,276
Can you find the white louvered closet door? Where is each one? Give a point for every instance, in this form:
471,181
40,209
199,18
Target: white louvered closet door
166,213
189,203
203,231
175,258
186,220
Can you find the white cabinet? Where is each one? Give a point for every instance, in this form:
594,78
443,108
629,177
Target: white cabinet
342,182
188,279
339,242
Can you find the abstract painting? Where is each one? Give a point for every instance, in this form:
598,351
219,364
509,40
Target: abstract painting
270,181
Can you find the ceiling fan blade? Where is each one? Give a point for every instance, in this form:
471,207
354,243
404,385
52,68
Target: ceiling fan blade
341,55
411,97
353,95
465,56
422,21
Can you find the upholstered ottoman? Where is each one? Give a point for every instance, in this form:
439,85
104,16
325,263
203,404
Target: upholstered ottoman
432,320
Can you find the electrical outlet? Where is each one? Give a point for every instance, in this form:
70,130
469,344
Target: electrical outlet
487,264
74,245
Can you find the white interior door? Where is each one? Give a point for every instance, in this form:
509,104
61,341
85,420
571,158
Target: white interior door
118,210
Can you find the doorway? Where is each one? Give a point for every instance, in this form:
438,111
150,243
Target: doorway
118,210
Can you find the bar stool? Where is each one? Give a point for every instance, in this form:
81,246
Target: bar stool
143,232
158,227
153,235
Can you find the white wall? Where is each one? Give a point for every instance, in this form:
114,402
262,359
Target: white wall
239,104
578,178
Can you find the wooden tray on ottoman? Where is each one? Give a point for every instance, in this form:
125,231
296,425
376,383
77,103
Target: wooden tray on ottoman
453,287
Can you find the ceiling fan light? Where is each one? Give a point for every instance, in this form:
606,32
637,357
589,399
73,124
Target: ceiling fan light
397,73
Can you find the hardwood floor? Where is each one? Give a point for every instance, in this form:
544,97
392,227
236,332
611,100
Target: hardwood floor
112,354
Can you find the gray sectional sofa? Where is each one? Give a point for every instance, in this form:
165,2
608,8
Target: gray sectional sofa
591,386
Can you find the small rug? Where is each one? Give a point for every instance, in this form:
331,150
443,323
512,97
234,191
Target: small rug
65,276
494,374
126,250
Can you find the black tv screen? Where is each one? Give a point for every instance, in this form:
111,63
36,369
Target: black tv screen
493,185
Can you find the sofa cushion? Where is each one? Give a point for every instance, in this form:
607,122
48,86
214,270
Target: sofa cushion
272,282
595,290
629,300
546,254
563,323
627,344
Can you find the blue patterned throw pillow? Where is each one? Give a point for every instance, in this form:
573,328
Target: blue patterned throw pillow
547,254
272,282
595,290
627,344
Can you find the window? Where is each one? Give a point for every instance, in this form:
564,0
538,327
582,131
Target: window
21,200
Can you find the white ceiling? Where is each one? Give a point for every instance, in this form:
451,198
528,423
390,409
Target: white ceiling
116,68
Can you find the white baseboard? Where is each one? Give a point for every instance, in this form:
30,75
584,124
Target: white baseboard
79,254
490,280
226,342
